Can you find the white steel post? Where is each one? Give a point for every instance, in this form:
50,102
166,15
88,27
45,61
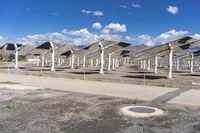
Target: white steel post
52,57
102,58
16,56
109,61
191,62
91,62
177,64
43,60
38,60
84,61
156,65
72,59
148,65
113,63
170,61
77,61
59,62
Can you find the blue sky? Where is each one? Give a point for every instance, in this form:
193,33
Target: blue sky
138,21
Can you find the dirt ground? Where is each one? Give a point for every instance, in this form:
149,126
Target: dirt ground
49,111
125,74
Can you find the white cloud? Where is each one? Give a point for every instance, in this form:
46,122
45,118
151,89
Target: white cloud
41,38
111,37
123,6
98,13
162,38
81,36
196,36
136,5
129,39
1,38
115,27
172,9
86,11
97,26
95,13
146,39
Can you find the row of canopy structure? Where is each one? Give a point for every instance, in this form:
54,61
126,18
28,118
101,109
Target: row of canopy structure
105,53
9,49
170,54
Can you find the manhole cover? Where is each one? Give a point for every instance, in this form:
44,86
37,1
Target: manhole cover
141,111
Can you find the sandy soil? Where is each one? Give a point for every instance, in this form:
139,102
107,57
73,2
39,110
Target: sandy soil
49,111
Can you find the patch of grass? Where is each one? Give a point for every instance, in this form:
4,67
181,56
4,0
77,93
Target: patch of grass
4,88
34,93
11,107
131,102
8,82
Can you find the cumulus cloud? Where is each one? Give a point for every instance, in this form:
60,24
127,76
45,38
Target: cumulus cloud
129,39
95,13
162,38
97,26
115,27
41,38
1,38
136,5
172,9
86,11
196,36
146,39
79,37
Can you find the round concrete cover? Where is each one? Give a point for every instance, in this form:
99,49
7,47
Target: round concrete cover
141,111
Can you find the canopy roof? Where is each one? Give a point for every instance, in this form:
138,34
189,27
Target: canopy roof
43,48
162,50
108,45
10,46
60,51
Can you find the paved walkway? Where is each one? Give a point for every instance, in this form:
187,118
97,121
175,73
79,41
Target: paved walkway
150,93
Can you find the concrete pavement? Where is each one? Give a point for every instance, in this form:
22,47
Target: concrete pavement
150,93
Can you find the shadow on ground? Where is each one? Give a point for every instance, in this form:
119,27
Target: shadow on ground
149,77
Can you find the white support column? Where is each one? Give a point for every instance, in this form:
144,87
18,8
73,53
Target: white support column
72,59
199,65
78,62
97,62
191,62
156,65
46,61
84,61
59,61
148,65
38,60
113,63
170,62
91,62
109,61
43,60
52,57
102,58
141,64
35,61
144,64
16,56
116,65
177,64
